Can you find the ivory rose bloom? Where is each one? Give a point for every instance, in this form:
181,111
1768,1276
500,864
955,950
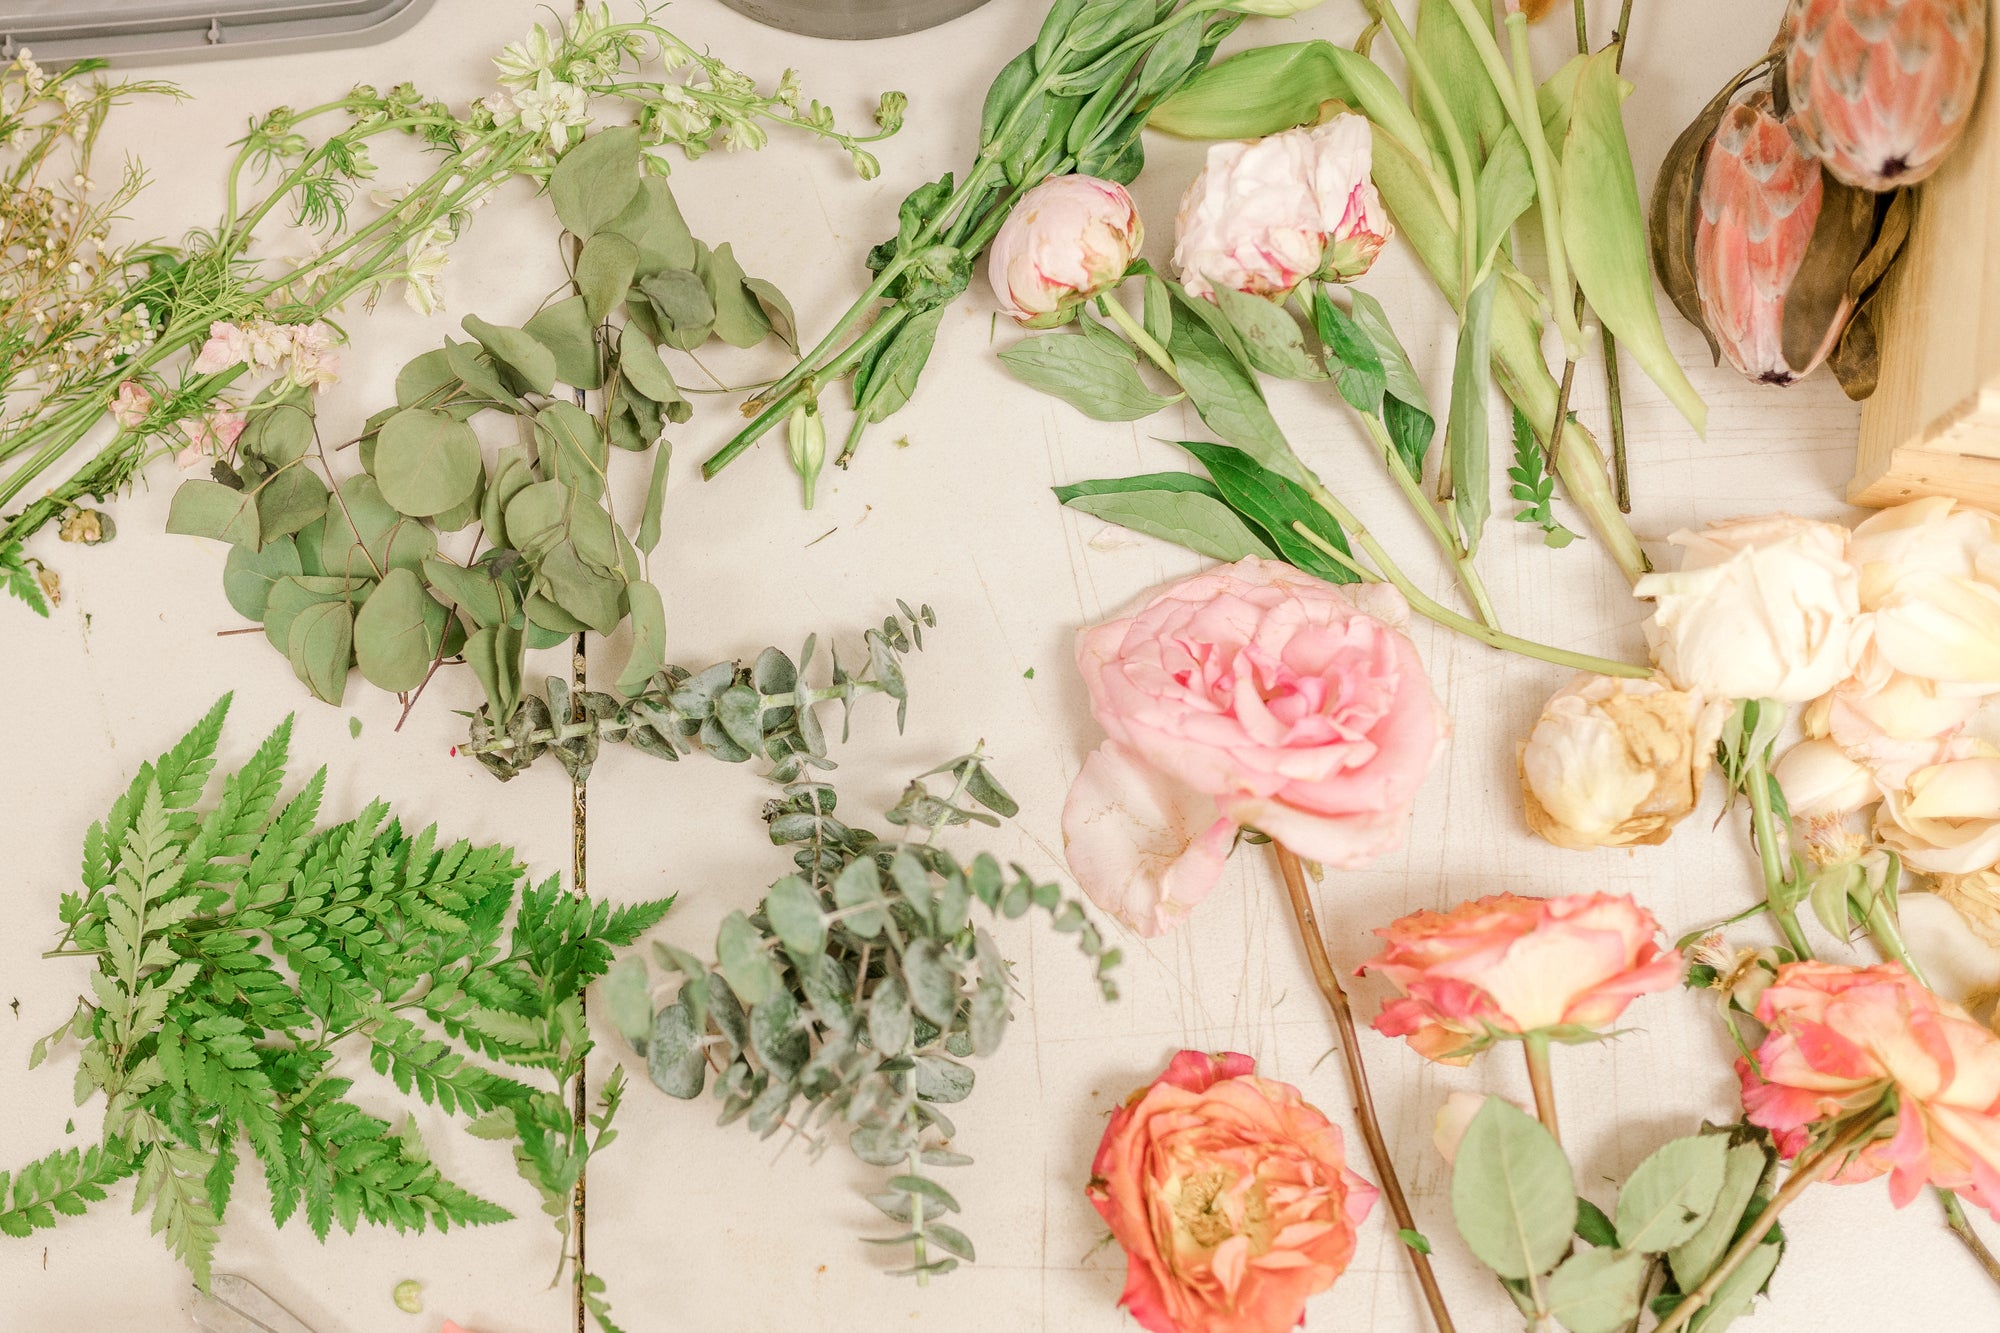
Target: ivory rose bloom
1265,216
1761,608
1508,966
1947,821
1821,782
1930,581
1616,762
1231,1197
1270,695
1841,1039
1068,239
1954,934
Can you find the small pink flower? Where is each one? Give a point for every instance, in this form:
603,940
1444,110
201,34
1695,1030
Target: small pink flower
315,365
132,405
1068,239
228,345
209,436
1842,1040
1231,1197
1270,693
1511,965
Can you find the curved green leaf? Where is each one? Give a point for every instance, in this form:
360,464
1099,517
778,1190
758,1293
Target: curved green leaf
1512,1192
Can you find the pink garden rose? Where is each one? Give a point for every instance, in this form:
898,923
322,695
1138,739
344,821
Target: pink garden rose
1068,239
1251,695
1231,1197
1842,1039
1511,965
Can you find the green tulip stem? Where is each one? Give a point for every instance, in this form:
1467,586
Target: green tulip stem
1548,199
1463,170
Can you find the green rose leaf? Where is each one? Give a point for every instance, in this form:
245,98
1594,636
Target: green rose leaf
1598,1291
398,632
1671,1193
426,462
1093,378
594,182
1512,1192
1694,1258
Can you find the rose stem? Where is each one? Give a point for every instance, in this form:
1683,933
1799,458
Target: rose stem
1357,1078
1801,1177
1757,781
1889,939
1536,1047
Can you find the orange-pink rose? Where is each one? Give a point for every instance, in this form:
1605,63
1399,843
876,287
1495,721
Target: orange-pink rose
1506,966
1231,1197
1256,696
1842,1039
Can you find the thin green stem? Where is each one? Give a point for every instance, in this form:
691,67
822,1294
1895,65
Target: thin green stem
1158,355
1548,200
1779,889
1535,1046
1461,559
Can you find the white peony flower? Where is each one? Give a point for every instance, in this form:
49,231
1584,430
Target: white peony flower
1761,608
1066,240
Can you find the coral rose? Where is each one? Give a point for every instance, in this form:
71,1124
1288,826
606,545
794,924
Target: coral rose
1507,966
1267,693
1068,239
1616,762
1231,1197
1761,608
1842,1039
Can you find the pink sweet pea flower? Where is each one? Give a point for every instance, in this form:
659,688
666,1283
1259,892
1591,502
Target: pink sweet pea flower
132,405
1288,704
228,345
209,436
1231,1197
1841,1040
1511,966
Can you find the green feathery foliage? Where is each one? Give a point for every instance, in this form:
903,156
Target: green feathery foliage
236,947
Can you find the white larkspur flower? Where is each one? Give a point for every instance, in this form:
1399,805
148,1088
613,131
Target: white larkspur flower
522,63
423,276
552,107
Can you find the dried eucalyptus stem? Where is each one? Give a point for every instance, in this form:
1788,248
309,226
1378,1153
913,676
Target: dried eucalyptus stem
1357,1078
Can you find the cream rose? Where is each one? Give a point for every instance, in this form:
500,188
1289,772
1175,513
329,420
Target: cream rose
1616,762
1761,608
1947,821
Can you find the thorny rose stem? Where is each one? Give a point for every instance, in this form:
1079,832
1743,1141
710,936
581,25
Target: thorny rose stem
1536,1047
1357,1079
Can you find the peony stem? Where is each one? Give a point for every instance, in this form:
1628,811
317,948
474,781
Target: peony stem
1461,559
1536,1047
1357,1078
1802,1176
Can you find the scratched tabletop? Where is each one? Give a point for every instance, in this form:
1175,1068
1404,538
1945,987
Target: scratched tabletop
700,1229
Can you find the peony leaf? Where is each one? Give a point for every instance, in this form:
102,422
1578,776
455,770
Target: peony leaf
1173,506
1270,335
1512,1192
1604,231
1470,98
1085,373
1273,504
1598,1291
1671,1193
1228,399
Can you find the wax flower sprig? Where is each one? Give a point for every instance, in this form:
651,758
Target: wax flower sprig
551,85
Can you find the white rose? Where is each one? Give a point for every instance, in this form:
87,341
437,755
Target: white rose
1760,608
1947,822
1820,781
1616,762
1955,937
1930,577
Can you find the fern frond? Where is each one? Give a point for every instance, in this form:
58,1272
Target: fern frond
60,1184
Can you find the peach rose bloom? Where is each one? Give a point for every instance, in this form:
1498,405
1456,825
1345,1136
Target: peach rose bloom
1252,695
1842,1039
1231,1197
1517,965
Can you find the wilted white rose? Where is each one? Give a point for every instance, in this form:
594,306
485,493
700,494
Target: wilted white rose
1264,216
1761,608
1930,580
1820,781
1066,240
1947,821
1143,847
1613,763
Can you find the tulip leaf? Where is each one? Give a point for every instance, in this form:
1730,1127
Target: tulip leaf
1272,504
1173,506
1593,1227
1604,231
1696,1256
1671,1193
1512,1192
1465,438
1598,1291
1471,102
1272,88
1506,190
1084,372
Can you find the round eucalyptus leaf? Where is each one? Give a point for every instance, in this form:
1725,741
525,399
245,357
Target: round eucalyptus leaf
426,462
247,575
398,632
523,361
744,964
793,907
674,1058
321,646
890,1026
932,980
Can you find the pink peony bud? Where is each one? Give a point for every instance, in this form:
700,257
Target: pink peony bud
1760,199
1265,216
1068,239
1883,88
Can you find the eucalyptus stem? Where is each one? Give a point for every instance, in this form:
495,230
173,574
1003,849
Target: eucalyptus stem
1803,1176
1357,1077
1535,1046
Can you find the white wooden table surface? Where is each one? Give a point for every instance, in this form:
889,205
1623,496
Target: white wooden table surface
703,1230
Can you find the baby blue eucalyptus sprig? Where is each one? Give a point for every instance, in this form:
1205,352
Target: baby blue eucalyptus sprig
850,998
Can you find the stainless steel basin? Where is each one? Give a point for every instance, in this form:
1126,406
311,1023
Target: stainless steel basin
853,19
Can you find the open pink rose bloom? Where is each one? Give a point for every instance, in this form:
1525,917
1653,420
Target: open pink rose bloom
1841,1039
1510,965
1231,1197
1251,695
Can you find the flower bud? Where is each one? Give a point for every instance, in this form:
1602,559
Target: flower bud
1068,239
1616,762
1453,1119
1882,92
1263,217
806,441
1820,781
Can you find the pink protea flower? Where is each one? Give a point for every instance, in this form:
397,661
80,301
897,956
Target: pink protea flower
1883,88
1508,966
1231,1197
1842,1040
1760,201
